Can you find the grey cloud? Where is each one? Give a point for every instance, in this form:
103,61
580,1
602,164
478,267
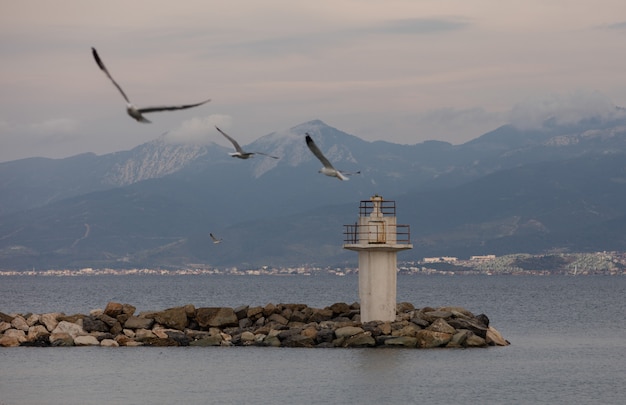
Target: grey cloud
419,26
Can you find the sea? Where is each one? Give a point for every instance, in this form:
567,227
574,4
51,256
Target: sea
567,335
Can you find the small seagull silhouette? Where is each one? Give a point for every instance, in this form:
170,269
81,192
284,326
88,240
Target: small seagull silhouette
240,152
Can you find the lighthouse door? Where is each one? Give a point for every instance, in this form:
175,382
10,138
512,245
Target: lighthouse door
377,232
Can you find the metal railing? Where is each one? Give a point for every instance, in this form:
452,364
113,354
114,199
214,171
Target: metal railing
387,208
375,234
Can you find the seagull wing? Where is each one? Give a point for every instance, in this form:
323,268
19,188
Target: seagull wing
104,69
318,154
234,142
171,108
265,154
215,240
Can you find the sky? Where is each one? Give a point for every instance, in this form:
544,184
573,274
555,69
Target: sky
404,71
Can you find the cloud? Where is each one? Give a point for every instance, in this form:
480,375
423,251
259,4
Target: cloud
418,26
617,26
198,130
562,109
53,126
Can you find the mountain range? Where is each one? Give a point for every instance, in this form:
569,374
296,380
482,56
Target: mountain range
559,188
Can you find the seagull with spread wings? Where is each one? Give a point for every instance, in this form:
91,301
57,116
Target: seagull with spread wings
240,153
328,168
137,113
214,239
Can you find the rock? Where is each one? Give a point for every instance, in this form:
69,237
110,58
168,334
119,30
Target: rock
36,332
4,326
404,307
109,320
215,340
32,320
135,322
339,308
459,338
494,338
472,324
298,340
242,311
109,343
178,337
278,319
431,316
401,341
5,317
70,328
475,341
310,331
440,325
248,337
128,309
255,313
87,340
113,309
175,318
325,335
20,323
269,309
363,339
320,315
50,320
91,324
61,339
458,311
144,335
428,339
9,341
216,316
409,330
482,318
16,333
348,331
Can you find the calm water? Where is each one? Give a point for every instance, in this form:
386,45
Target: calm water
568,345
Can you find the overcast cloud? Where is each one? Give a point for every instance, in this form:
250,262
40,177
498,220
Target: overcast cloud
404,71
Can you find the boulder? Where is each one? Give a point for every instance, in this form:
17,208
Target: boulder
16,333
247,337
5,326
36,332
269,309
144,335
278,319
297,340
216,316
459,338
339,308
409,330
70,328
50,320
440,325
348,331
128,309
32,320
20,323
135,322
175,318
214,340
428,339
494,338
401,341
404,307
242,311
320,315
91,324
87,340
113,309
109,320
9,341
470,324
109,343
363,339
436,314
475,341
61,339
5,317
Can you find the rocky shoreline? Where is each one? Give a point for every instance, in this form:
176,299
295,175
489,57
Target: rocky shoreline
281,325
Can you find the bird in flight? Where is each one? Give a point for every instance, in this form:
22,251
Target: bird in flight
137,113
215,240
328,168
239,153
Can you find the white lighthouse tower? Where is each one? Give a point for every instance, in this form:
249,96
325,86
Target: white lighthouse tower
378,239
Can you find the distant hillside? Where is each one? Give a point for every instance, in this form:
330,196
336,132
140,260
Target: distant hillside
505,192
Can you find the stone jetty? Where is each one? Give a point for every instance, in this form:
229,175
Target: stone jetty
281,325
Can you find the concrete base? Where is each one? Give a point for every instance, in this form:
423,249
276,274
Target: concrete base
377,285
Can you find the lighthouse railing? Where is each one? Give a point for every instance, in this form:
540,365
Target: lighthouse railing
374,234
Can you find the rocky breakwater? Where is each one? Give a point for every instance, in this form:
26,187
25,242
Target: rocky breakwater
282,325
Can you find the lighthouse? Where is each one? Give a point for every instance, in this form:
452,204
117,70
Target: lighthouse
378,239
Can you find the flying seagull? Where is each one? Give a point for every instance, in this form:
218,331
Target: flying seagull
215,240
328,168
240,152
137,113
